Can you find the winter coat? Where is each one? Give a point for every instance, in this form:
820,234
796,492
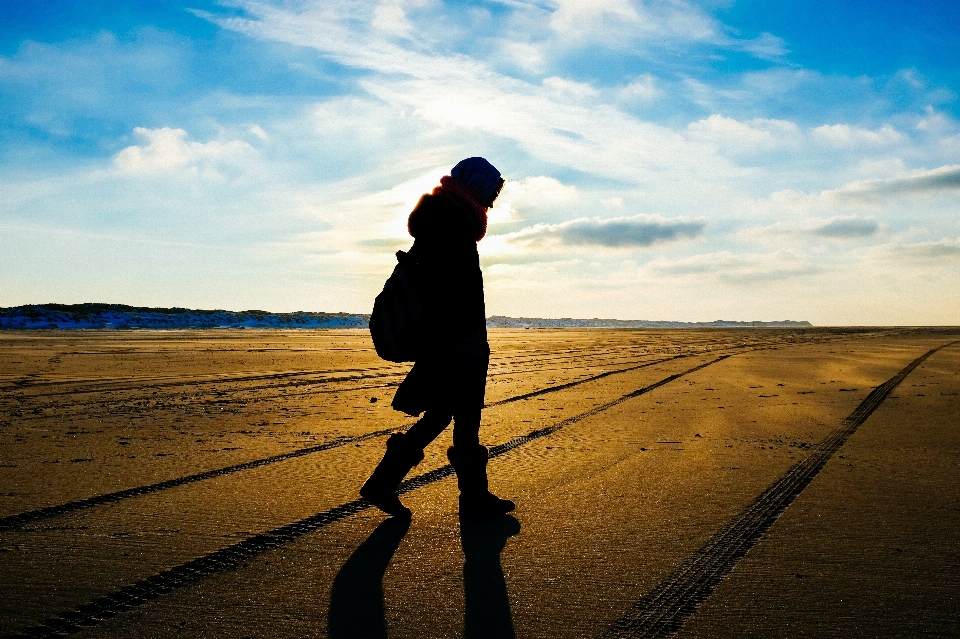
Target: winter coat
451,365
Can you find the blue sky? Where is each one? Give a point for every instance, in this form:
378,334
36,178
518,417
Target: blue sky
665,160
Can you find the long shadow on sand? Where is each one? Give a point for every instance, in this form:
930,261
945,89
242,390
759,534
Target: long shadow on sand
356,600
487,607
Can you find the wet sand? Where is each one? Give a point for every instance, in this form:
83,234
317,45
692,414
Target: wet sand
233,434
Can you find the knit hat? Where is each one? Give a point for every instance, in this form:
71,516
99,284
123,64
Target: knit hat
481,177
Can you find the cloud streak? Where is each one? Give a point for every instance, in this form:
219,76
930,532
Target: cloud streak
638,231
938,252
838,228
738,268
847,228
944,178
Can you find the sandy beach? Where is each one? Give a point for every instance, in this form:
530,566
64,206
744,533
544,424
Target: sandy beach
696,483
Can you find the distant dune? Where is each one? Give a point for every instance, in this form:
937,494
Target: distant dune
69,316
122,316
498,321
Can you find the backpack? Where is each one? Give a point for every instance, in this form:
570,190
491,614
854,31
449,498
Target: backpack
397,311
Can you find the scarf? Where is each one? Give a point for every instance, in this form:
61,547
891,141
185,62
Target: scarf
460,194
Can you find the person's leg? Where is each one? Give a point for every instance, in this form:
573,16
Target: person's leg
470,373
466,455
429,427
404,451
380,488
469,459
466,428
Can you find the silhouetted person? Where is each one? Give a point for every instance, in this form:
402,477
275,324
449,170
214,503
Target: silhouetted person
356,600
486,605
448,379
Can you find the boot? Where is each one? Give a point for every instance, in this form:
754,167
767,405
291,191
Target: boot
475,499
380,489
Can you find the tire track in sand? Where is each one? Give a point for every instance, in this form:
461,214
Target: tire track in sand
320,377
19,520
230,557
662,612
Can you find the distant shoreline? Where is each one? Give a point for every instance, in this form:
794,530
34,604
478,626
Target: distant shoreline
121,316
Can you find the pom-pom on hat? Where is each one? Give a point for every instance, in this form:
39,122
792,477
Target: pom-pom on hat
481,177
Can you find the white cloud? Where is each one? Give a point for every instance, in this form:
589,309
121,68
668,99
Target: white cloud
167,149
935,122
845,135
569,89
912,78
390,17
519,197
461,92
626,24
259,132
765,46
536,190
528,56
754,135
643,88
594,20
